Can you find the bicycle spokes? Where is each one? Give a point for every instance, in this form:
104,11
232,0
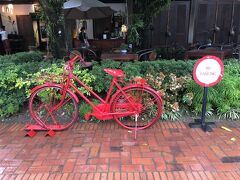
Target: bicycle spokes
141,101
52,108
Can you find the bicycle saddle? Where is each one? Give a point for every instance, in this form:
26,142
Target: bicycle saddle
114,72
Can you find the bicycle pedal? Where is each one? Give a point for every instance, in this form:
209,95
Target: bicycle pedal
88,116
31,133
50,133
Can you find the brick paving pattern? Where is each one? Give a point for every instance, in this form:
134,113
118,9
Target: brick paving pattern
169,150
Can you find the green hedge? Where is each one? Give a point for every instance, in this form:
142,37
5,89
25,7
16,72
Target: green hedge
14,69
173,79
180,68
22,71
224,98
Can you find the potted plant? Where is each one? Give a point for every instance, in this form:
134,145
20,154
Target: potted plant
134,32
123,47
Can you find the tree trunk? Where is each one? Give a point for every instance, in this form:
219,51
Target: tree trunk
55,30
69,25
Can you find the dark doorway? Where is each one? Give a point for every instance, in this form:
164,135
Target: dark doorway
25,29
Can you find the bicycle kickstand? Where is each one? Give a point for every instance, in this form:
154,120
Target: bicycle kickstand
136,118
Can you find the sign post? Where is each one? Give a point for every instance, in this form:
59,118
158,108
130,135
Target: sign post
208,71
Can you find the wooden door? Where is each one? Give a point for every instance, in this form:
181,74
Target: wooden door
229,13
221,13
236,23
25,29
224,21
205,22
179,20
171,25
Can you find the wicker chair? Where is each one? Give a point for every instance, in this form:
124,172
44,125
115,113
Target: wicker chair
84,64
147,54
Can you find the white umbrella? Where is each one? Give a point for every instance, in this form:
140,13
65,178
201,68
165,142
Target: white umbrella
86,9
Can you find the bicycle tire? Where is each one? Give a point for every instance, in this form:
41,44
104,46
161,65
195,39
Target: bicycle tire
150,107
41,104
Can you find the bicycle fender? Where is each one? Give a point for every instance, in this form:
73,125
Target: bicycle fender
56,85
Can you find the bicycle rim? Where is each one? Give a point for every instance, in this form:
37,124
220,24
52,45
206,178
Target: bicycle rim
149,108
44,108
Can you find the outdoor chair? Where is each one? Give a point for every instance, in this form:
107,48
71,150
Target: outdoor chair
147,54
220,50
84,64
87,53
217,46
236,52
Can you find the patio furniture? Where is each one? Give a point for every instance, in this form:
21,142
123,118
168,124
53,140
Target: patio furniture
120,56
147,54
101,44
221,51
84,64
87,53
236,52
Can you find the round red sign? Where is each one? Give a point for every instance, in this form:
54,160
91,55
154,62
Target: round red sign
208,71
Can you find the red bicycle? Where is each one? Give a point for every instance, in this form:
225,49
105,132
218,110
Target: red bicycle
55,106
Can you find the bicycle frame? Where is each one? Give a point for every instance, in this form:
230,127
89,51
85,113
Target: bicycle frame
137,100
100,111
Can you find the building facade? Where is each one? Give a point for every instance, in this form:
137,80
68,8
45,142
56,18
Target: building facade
197,22
183,23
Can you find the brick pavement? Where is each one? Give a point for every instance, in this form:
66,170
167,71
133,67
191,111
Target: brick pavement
169,150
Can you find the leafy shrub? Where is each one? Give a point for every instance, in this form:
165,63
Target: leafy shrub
102,82
54,74
12,75
160,74
224,98
189,96
20,72
85,108
22,57
173,91
17,78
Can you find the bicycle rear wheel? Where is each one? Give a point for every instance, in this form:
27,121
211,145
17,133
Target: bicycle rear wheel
148,103
44,108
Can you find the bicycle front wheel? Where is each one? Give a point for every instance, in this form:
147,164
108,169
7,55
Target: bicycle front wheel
146,111
50,110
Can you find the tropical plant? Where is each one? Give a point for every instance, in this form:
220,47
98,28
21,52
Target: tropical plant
224,98
149,8
134,34
145,10
123,46
173,91
52,15
22,71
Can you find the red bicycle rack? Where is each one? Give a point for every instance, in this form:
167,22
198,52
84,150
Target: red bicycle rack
33,128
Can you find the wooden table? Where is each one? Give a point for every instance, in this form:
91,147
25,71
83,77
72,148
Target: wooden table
198,53
101,44
120,56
